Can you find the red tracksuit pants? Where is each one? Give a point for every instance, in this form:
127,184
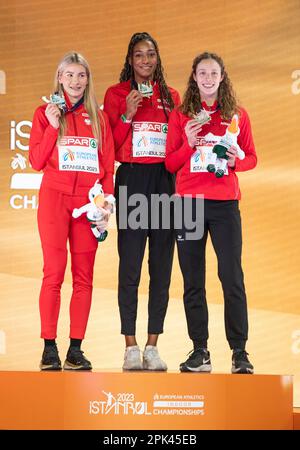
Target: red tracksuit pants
56,228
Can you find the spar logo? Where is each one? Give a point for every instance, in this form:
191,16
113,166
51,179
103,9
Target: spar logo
150,126
122,403
209,140
81,141
93,143
69,155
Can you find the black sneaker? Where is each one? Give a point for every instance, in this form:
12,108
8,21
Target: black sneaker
240,362
76,361
198,361
50,359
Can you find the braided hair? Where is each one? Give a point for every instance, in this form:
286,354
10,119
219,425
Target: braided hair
227,101
127,72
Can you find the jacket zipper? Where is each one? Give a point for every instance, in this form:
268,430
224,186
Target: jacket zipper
76,134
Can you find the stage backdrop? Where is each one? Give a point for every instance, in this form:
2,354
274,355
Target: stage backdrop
260,44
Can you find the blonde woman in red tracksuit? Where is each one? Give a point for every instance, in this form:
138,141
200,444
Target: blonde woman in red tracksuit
139,126
74,149
189,149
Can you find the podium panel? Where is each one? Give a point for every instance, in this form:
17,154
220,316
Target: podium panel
296,418
144,401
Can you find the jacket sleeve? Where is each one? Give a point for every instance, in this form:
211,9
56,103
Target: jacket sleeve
42,140
178,150
245,141
120,129
107,157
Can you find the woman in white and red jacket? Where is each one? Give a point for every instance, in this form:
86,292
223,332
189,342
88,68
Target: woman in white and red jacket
189,151
138,108
74,148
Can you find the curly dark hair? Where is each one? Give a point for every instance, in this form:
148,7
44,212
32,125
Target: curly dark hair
127,72
226,96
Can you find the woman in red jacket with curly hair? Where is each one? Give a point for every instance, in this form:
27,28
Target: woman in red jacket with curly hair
197,131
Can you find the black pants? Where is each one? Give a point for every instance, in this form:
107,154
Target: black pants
222,221
143,179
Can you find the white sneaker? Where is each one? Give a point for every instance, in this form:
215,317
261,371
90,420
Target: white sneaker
132,358
151,359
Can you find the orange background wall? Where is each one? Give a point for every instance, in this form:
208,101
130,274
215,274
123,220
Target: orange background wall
260,44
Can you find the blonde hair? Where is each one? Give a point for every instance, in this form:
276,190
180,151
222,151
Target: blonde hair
89,99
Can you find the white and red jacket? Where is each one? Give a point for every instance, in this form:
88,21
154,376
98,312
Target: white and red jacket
131,139
180,156
43,153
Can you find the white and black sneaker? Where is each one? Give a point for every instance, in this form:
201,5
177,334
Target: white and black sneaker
240,362
198,361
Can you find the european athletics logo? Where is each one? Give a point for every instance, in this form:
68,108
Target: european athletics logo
141,141
69,155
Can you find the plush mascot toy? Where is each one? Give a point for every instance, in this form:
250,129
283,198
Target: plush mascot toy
95,210
219,157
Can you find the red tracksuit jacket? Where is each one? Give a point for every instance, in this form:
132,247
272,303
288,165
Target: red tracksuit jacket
179,156
131,139
43,154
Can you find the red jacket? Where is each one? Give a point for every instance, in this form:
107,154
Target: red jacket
43,153
179,153
150,113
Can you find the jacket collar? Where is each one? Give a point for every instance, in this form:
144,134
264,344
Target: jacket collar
213,107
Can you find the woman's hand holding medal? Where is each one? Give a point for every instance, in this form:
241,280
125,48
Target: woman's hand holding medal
133,101
191,129
53,114
56,105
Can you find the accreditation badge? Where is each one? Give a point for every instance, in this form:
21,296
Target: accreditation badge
149,139
203,156
79,154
